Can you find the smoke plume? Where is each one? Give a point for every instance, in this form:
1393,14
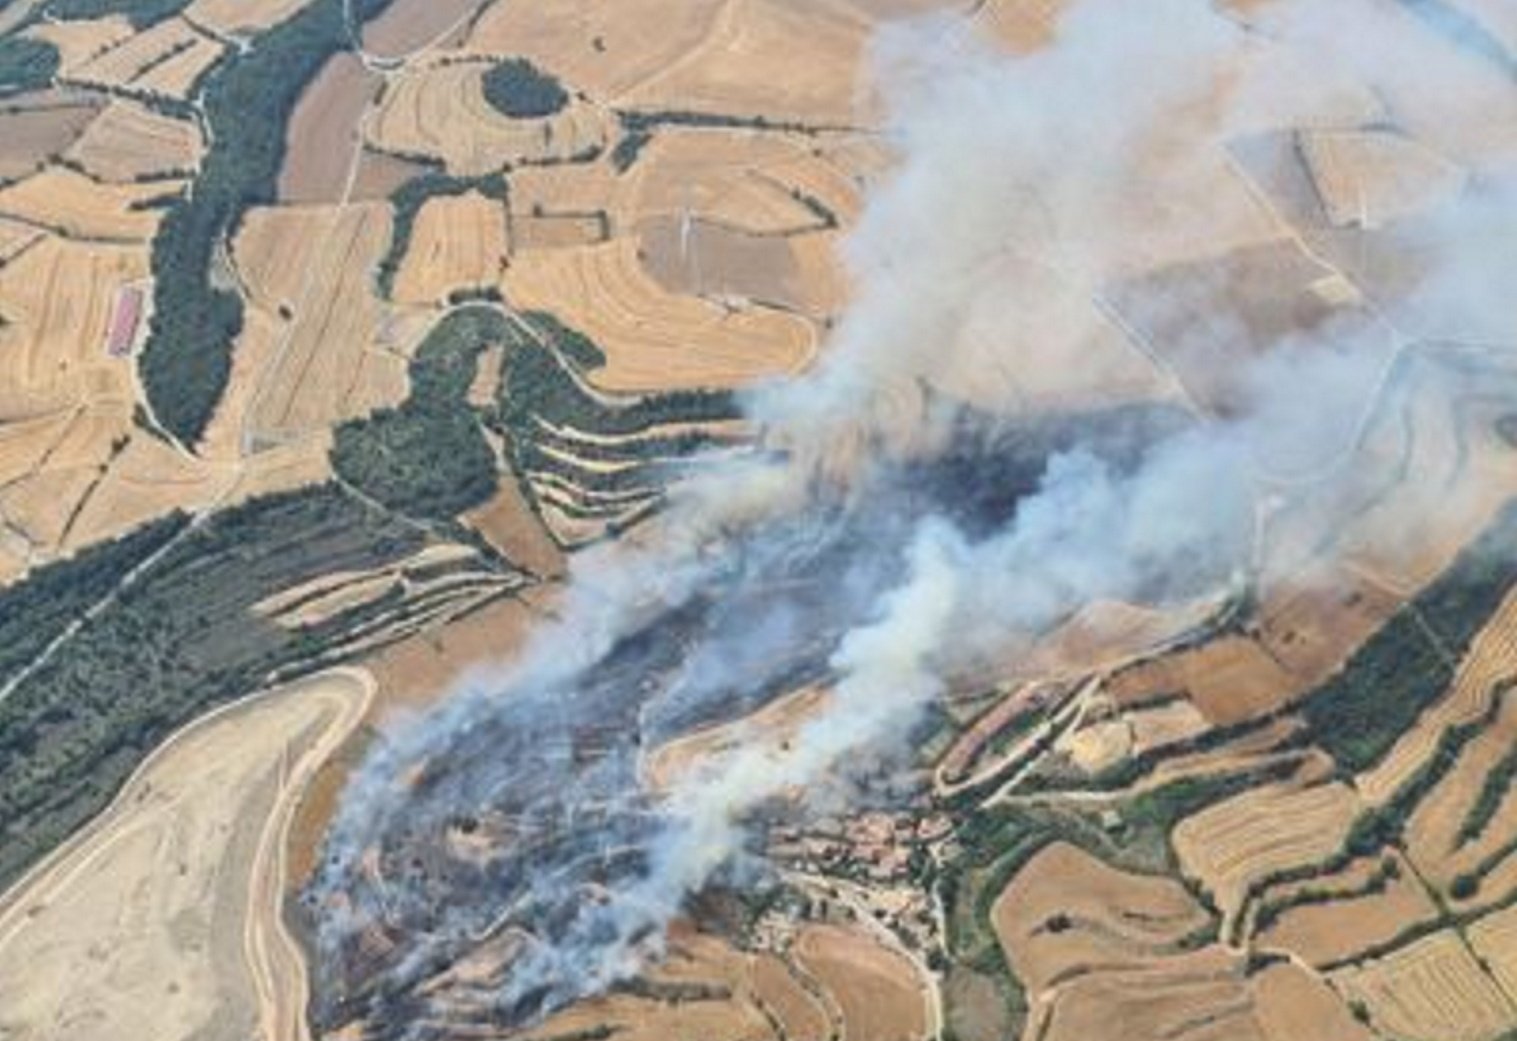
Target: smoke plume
1044,395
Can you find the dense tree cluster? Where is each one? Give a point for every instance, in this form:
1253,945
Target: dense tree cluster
521,90
26,64
248,98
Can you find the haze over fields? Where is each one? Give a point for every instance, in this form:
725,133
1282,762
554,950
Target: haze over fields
758,519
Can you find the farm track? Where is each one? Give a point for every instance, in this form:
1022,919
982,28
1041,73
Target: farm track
267,956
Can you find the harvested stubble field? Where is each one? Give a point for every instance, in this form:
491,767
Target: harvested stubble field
719,153
1431,988
80,42
190,859
322,139
165,60
241,17
653,339
316,378
1236,844
74,206
39,126
440,111
130,142
458,243
1329,919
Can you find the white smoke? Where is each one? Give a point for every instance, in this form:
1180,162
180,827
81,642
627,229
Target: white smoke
984,268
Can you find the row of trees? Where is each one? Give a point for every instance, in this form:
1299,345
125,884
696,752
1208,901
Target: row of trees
247,100
179,639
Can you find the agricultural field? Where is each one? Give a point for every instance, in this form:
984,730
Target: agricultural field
349,347
130,142
211,810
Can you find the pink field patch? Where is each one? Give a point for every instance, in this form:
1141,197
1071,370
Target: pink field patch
124,319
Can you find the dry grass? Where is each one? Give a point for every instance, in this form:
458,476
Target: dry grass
316,377
15,237
242,17
744,180
771,727
440,111
1491,658
147,480
1312,627
275,247
1200,997
777,991
509,524
876,990
1235,843
1022,26
129,141
407,25
166,59
1494,940
81,42
1323,933
459,242
322,135
1229,679
1433,988
655,340
1432,834
1368,178
30,136
767,58
605,49
58,298
162,918
1115,919
75,206
1293,1005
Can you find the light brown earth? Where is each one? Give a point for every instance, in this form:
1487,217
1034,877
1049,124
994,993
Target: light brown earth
440,111
408,25
324,132
41,126
128,141
76,207
1233,844
166,59
1433,988
877,992
654,340
458,242
242,17
162,918
1336,930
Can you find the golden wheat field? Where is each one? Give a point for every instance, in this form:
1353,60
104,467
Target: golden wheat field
1066,444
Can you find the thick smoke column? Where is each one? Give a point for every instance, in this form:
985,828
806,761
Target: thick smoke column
878,546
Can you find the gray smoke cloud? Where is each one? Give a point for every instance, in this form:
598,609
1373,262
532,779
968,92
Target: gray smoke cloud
882,549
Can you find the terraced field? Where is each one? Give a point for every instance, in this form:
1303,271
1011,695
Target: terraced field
395,334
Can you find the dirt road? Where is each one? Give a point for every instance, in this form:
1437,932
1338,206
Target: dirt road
161,918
